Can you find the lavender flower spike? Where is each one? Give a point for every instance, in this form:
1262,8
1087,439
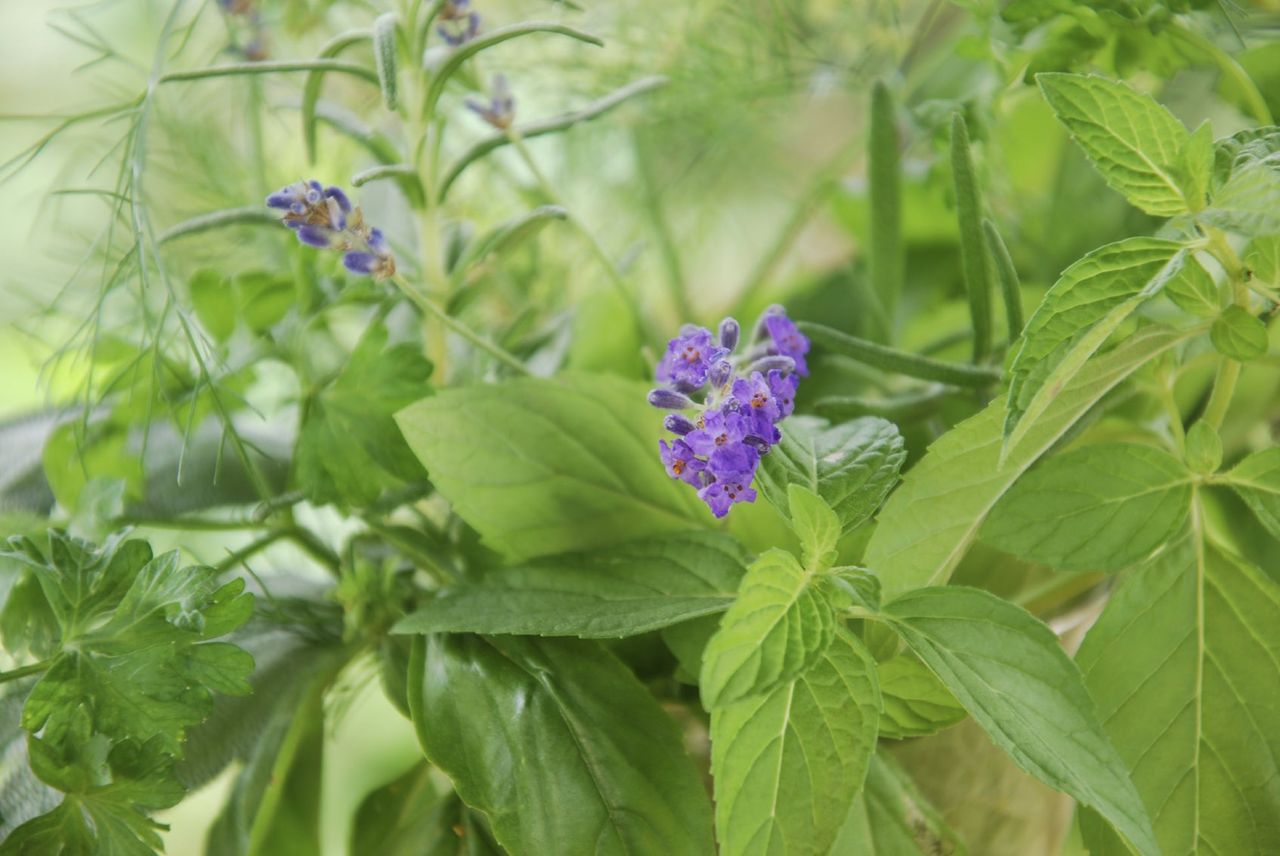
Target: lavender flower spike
323,217
500,112
459,24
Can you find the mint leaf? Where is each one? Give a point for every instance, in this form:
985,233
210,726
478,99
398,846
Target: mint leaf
889,817
555,741
788,763
1257,480
1010,673
852,465
349,448
916,703
550,466
1238,334
1204,449
778,627
1078,314
931,520
1263,259
1099,508
816,525
1193,290
618,591
1175,664
1134,143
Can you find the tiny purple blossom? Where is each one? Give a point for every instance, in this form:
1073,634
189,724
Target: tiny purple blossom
678,423
788,341
689,357
720,495
500,111
324,217
321,237
716,429
783,387
736,461
681,463
728,334
458,23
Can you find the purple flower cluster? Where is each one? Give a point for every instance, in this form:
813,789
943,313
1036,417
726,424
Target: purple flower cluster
324,217
459,23
500,112
742,401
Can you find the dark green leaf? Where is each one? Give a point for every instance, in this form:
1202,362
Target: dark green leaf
973,249
889,817
852,465
1009,672
614,592
556,742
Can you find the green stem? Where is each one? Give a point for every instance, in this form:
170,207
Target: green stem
1224,387
436,311
24,671
901,362
1227,64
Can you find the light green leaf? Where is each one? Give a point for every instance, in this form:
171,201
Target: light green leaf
549,466
816,525
1010,673
1193,290
929,523
916,703
555,741
384,56
1262,258
787,764
618,591
213,301
1249,202
778,627
1257,480
1238,334
890,817
349,448
852,465
1135,144
1096,508
886,259
1177,664
1078,314
1195,166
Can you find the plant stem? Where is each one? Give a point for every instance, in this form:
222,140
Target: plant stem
1224,387
436,311
24,671
1253,98
901,362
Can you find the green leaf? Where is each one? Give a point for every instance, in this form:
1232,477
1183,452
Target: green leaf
1193,290
1249,202
1010,673
931,520
543,466
315,80
1176,664
410,817
973,248
916,703
349,447
1257,480
1135,144
384,55
852,465
1204,449
889,817
1195,166
503,238
1262,258
816,525
1096,508
1078,314
554,741
788,764
618,591
1238,334
778,627
210,297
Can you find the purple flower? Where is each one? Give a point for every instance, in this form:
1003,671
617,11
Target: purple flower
323,217
721,494
500,112
689,357
718,429
783,387
788,341
458,23
681,463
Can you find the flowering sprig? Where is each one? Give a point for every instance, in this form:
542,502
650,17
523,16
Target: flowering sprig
742,400
500,112
323,217
459,23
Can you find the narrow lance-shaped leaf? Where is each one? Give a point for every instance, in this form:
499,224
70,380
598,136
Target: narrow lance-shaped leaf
787,764
973,250
1010,673
931,520
886,259
1078,314
1098,508
1180,665
1007,275
618,591
384,55
315,79
555,741
1135,143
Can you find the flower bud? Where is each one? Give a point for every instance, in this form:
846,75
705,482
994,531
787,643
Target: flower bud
669,399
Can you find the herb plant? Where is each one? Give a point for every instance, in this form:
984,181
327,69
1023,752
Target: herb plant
383,377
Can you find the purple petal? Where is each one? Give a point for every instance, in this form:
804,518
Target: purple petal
316,236
360,263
